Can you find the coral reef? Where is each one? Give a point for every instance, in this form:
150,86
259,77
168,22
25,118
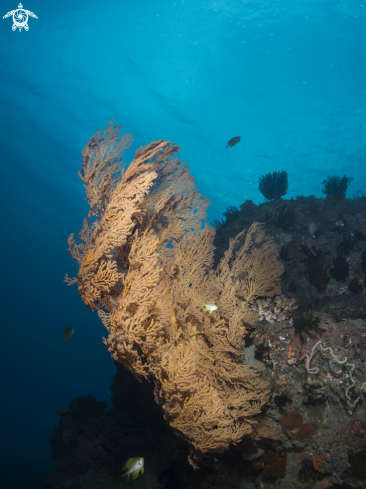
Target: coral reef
145,257
316,371
92,443
331,392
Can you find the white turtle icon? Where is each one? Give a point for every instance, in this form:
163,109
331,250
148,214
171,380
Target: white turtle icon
20,17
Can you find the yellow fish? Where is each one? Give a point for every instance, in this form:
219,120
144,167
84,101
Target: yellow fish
210,306
133,467
66,335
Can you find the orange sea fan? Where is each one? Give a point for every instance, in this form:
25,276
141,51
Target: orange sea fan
146,257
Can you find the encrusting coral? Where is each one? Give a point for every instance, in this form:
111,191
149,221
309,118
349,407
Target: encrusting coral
146,265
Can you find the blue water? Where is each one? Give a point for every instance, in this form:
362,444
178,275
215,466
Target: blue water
289,77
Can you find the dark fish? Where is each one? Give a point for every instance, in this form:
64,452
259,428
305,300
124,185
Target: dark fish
66,335
233,142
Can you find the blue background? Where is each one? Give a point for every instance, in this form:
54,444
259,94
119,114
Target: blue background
289,77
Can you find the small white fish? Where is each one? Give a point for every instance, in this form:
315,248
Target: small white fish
210,306
133,467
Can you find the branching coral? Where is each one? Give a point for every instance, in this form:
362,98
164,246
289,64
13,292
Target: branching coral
146,257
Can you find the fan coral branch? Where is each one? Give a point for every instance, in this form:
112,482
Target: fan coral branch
101,166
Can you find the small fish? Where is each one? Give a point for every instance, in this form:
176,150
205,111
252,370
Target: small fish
66,335
210,306
133,467
233,142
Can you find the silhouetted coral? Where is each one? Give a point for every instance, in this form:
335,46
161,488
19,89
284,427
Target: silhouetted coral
273,185
308,301
317,265
218,224
231,213
305,323
340,270
286,217
355,286
336,187
307,296
248,208
346,245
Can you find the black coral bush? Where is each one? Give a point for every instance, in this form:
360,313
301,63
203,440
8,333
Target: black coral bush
274,185
336,187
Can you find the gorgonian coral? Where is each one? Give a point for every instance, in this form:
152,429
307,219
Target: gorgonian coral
146,265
